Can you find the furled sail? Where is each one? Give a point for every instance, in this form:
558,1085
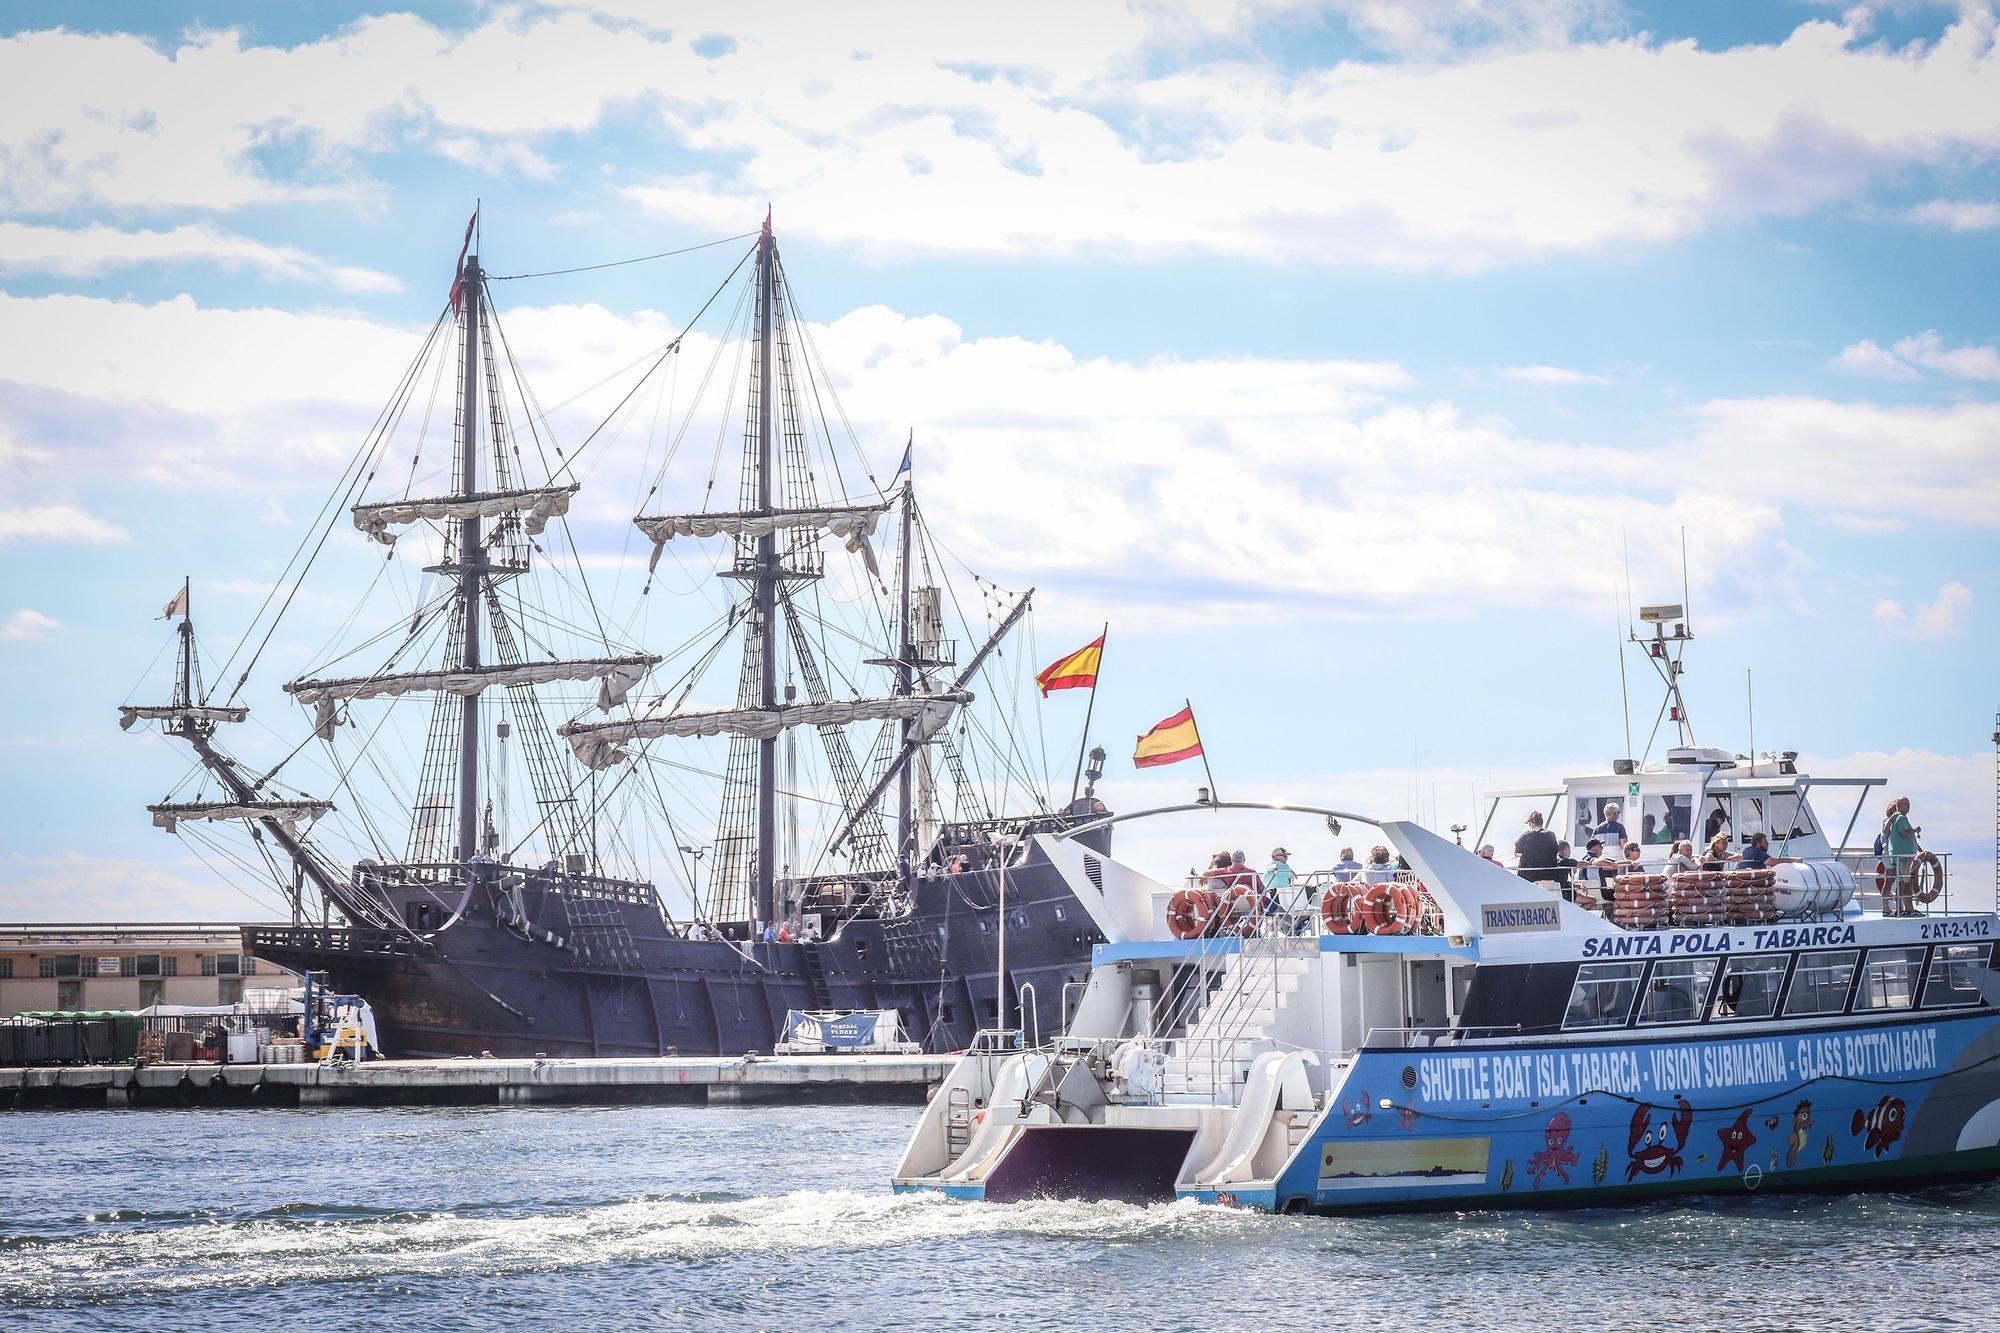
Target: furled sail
536,504
853,524
128,714
287,813
619,674
599,744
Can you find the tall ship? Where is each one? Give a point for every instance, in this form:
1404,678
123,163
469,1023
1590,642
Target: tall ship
833,770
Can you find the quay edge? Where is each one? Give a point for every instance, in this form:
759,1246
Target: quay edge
710,1080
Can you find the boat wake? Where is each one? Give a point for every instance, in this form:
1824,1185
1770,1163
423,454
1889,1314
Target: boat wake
293,1244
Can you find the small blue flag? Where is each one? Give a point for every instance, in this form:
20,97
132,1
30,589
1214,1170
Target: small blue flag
903,466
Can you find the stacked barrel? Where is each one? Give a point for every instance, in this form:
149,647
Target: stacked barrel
1699,898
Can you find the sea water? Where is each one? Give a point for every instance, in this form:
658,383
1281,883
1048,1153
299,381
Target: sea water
782,1218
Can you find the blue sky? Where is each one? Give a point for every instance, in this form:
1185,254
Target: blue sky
1336,354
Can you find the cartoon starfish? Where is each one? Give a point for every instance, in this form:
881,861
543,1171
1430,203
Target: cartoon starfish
1735,1138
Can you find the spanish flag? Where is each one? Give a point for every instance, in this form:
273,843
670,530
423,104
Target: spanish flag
1078,671
1169,742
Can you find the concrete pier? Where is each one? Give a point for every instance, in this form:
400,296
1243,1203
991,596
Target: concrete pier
731,1081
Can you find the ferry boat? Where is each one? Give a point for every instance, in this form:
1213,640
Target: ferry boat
1454,1035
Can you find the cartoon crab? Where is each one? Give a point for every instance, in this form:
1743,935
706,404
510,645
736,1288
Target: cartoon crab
1358,1112
1558,1156
1648,1144
1735,1139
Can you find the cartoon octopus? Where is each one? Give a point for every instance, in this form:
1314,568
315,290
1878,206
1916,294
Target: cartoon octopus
1648,1146
1558,1155
1736,1139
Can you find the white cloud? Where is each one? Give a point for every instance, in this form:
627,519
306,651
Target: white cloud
895,127
26,625
1550,376
77,886
1870,358
1969,362
97,249
1922,352
1924,464
1265,487
1956,214
55,523
1939,619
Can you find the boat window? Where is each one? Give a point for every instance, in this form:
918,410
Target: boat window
1602,996
1790,817
1714,819
1587,815
1665,819
1819,982
1677,990
1953,968
1889,978
1750,986
1749,815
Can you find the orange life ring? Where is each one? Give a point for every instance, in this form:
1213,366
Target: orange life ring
1386,909
1881,877
1336,909
1238,910
1189,911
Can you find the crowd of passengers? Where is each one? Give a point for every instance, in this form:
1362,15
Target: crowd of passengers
1288,905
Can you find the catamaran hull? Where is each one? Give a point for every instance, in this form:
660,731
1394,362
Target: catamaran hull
480,987
1572,1124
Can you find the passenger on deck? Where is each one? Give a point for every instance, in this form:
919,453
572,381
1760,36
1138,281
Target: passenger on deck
770,935
1900,835
1346,868
1565,871
1717,856
1379,868
1757,854
1535,851
785,933
1486,853
1682,862
1634,863
1651,830
1717,822
1217,876
1592,889
1611,828
1278,880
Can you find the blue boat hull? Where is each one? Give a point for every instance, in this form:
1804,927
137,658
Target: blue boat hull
1840,1107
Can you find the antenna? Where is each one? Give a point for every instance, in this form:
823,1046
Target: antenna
1750,698
1687,598
1624,695
1625,539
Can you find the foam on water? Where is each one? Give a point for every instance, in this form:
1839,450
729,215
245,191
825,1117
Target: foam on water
305,1243
783,1217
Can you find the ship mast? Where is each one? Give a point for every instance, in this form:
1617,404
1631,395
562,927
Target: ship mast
766,573
904,653
471,566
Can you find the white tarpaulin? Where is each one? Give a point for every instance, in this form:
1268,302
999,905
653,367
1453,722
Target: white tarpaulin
128,714
538,504
287,813
597,743
473,681
853,524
